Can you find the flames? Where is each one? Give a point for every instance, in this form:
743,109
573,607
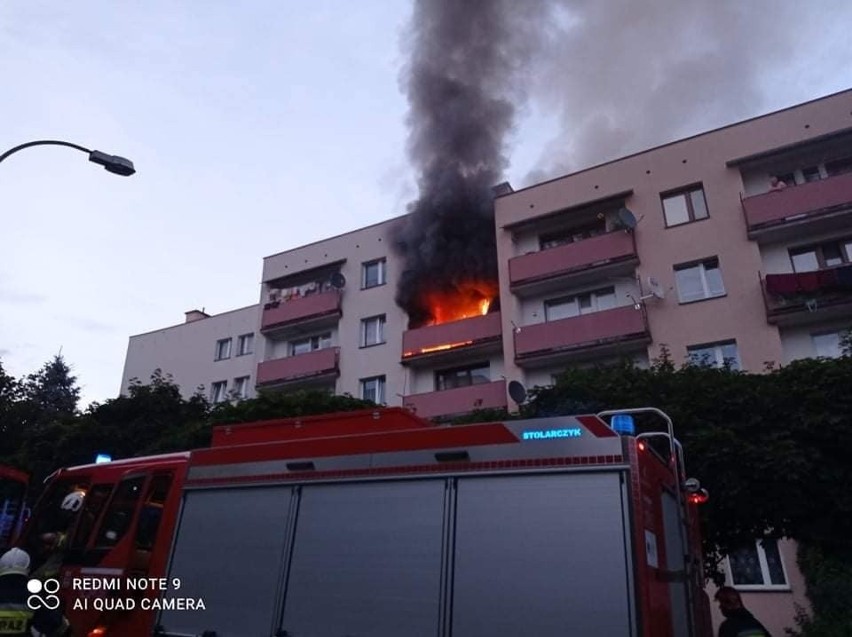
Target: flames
464,300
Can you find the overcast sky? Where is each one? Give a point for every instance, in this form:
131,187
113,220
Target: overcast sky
259,126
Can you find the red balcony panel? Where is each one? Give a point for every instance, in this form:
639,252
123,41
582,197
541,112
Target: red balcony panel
459,400
794,203
588,330
301,309
303,366
808,297
454,335
572,257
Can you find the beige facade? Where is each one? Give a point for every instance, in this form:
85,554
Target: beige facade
686,246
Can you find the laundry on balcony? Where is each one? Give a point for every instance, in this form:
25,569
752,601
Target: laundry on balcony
801,283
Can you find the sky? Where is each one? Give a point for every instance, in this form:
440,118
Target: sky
260,126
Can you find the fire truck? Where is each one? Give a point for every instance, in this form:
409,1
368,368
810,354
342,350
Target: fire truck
13,510
381,523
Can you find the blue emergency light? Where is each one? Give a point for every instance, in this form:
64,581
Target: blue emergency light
103,457
623,424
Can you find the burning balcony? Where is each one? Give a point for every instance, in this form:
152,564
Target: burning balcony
604,333
808,297
452,340
820,206
607,254
459,400
312,310
314,368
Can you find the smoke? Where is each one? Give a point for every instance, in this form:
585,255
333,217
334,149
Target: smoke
624,76
462,83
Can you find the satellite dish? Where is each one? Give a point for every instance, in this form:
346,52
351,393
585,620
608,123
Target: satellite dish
655,288
337,280
626,219
517,391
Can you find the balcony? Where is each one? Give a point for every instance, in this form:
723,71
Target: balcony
460,400
606,333
818,206
314,368
605,255
454,340
309,312
808,297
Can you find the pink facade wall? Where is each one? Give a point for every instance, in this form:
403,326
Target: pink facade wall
462,399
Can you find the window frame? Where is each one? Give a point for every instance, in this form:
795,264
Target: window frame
764,570
381,388
223,343
380,322
719,358
836,333
582,232
686,193
242,339
702,265
382,270
592,295
442,374
238,381
819,252
214,394
316,342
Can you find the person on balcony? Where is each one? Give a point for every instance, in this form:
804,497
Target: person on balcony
776,184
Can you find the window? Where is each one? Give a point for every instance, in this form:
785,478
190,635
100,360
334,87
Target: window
310,344
811,173
827,345
217,391
569,306
94,503
838,166
373,273
554,239
241,387
715,354
152,511
373,330
373,389
245,344
119,515
824,255
789,179
462,376
223,349
685,206
699,281
757,565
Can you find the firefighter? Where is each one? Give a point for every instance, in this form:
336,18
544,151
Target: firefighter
51,549
738,621
16,617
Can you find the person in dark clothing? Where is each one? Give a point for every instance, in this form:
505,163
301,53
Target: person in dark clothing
738,621
17,619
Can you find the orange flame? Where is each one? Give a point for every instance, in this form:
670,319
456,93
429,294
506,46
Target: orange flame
467,299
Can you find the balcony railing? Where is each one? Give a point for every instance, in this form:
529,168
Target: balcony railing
434,340
300,310
572,258
807,297
459,400
797,204
302,367
580,333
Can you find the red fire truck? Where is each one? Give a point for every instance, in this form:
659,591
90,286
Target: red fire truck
13,511
380,523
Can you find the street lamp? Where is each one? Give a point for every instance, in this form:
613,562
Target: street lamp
112,163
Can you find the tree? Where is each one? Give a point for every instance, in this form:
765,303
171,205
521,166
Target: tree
10,417
52,390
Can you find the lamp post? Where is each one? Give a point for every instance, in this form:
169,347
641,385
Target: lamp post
111,163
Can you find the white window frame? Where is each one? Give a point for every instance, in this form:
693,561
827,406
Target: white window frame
837,348
315,343
764,571
381,265
380,389
241,387
594,303
702,267
441,376
373,326
218,391
242,339
223,349
714,351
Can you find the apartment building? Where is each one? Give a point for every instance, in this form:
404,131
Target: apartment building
212,354
730,246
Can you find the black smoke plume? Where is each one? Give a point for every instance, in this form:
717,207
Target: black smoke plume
461,85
